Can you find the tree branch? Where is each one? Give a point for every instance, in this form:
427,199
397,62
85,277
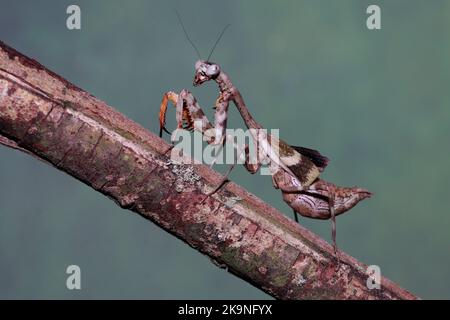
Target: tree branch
44,115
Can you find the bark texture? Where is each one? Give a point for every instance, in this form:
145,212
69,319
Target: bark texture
43,114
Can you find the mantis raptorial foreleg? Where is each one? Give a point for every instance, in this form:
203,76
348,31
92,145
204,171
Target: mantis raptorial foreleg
190,116
187,110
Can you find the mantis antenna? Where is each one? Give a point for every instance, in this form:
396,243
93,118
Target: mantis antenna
217,41
192,43
187,35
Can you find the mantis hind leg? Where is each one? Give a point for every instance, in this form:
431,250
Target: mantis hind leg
333,221
295,216
325,190
329,191
331,197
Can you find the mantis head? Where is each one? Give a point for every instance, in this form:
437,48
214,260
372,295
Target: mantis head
205,71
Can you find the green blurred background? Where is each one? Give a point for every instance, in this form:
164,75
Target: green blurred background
376,102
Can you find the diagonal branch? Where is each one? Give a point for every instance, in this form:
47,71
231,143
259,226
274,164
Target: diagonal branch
50,118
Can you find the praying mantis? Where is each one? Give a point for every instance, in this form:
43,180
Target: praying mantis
296,170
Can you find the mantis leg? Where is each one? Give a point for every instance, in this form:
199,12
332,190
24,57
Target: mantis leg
252,168
172,97
220,124
295,215
248,164
168,96
188,111
329,190
333,221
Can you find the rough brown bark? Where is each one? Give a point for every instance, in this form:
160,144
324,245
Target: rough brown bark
45,115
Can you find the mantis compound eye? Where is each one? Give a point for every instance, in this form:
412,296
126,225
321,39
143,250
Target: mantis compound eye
212,70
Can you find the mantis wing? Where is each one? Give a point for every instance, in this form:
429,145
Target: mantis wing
318,159
299,166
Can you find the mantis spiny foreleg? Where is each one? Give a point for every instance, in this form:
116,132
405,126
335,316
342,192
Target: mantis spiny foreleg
190,116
